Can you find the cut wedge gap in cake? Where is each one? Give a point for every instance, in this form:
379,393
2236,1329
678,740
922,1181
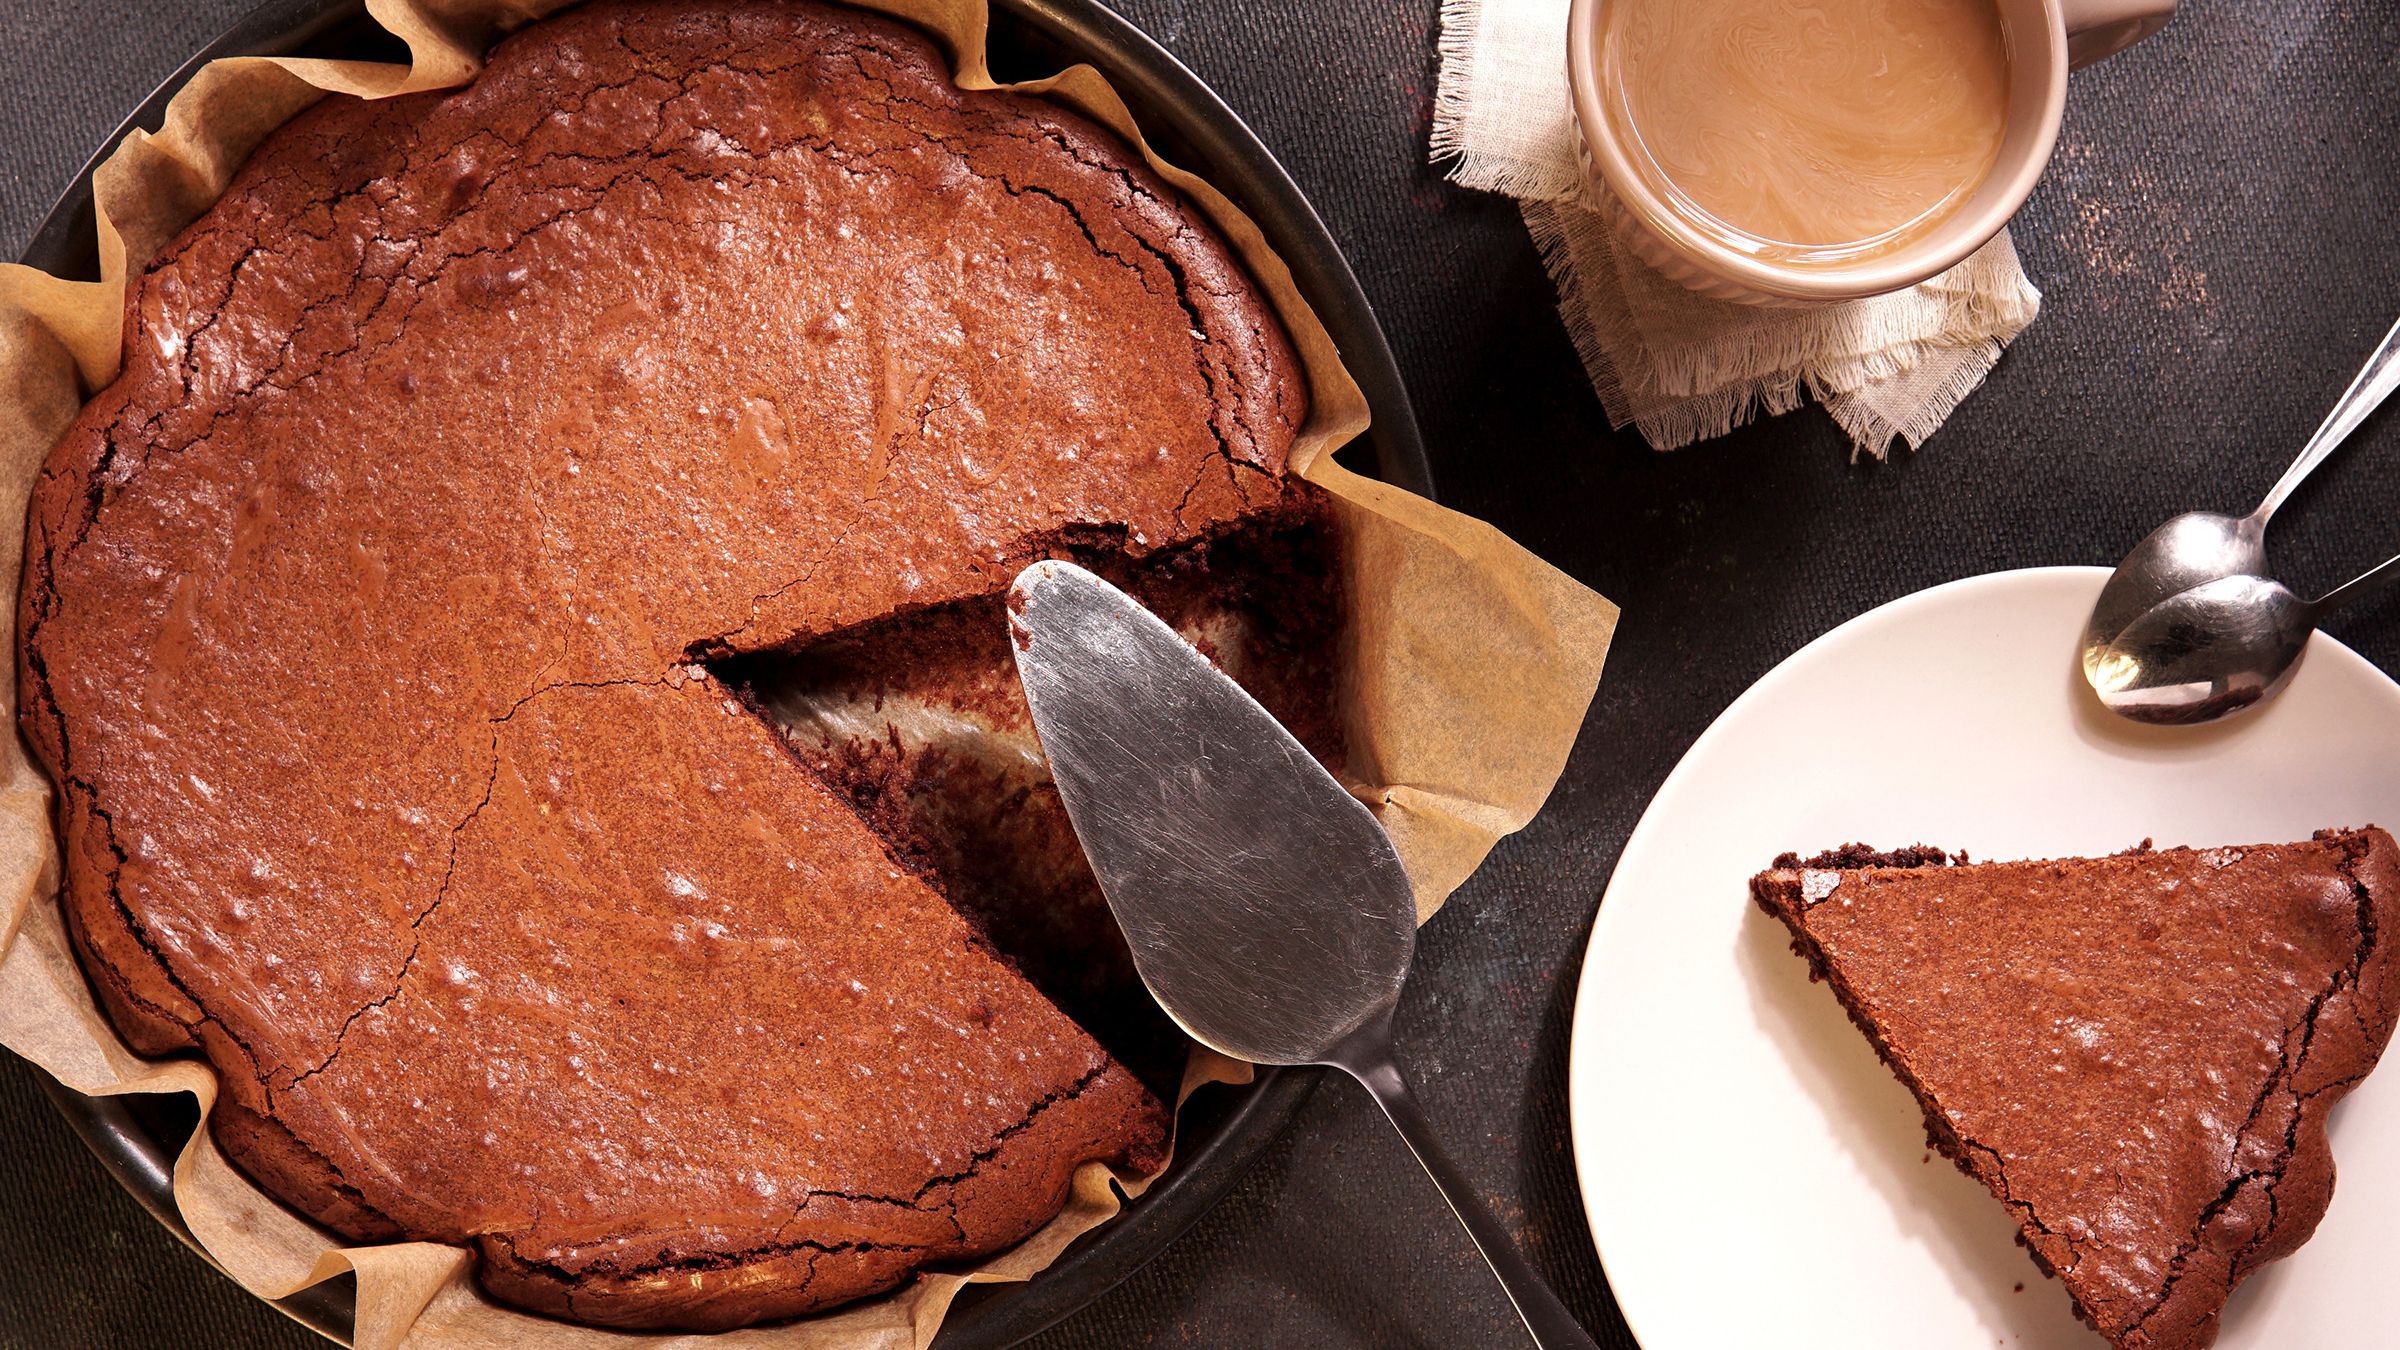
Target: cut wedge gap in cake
918,721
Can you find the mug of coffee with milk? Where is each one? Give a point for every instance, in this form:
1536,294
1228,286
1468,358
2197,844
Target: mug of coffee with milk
1782,152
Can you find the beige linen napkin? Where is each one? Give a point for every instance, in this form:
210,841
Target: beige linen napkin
1678,366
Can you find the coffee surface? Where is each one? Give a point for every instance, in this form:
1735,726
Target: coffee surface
1809,130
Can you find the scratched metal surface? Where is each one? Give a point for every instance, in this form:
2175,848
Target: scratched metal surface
2215,244
1209,859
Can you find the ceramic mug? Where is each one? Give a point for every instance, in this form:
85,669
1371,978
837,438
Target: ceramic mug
2045,39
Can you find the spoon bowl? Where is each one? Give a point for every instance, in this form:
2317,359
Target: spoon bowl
2204,653
2191,550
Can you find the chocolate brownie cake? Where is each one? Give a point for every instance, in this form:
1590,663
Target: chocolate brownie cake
369,617
2135,1053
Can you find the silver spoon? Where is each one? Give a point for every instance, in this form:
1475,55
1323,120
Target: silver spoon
2189,627
1265,907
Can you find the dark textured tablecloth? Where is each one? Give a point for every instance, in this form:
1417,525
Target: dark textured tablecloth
2217,246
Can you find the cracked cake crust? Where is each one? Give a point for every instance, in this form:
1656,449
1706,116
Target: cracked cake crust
2135,1054
362,613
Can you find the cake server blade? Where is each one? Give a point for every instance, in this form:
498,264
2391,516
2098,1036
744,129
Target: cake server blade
1266,908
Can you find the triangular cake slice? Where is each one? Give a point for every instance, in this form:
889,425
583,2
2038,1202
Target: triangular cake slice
2135,1053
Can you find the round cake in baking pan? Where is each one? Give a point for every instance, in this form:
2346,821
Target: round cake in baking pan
376,618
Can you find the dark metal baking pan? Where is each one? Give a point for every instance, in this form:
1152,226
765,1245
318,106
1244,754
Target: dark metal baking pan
1223,1130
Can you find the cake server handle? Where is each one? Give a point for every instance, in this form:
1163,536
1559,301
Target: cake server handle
1367,1056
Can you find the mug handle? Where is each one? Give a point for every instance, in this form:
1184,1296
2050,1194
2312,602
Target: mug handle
2098,29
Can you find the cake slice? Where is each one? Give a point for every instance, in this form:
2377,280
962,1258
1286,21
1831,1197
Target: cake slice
2135,1053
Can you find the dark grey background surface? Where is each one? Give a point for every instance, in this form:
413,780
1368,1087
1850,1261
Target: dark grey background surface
2216,241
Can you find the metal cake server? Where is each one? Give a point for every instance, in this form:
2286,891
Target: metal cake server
1265,907
2189,628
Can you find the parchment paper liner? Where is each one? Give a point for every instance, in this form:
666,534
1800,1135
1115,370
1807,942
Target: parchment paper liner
1469,665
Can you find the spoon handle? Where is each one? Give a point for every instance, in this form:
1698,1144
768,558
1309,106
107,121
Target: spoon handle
2374,577
1369,1060
2374,383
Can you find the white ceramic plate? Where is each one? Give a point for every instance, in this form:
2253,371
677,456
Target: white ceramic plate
1754,1176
